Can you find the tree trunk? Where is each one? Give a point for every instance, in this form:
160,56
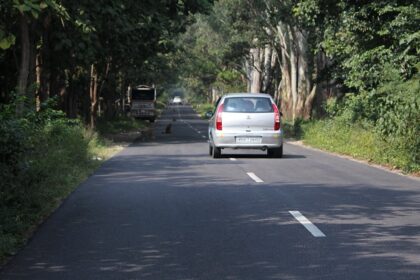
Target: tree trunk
285,86
103,94
305,89
296,87
294,60
270,62
93,96
43,65
255,63
38,70
22,84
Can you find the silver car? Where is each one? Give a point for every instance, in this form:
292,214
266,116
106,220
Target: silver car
246,121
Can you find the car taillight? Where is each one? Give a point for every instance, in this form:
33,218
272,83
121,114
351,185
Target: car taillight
276,117
219,125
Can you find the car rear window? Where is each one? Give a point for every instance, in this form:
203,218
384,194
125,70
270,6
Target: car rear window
247,105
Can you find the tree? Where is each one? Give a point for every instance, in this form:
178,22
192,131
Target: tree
86,51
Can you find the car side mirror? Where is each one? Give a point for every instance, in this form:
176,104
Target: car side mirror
209,114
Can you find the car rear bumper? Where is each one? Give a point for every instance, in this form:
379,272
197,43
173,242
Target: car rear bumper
270,139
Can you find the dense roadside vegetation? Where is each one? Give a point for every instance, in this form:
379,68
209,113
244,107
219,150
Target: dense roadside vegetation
382,126
43,157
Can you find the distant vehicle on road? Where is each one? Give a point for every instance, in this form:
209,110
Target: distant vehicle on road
245,121
142,102
177,100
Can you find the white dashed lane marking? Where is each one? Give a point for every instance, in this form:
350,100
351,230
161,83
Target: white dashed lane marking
307,224
255,177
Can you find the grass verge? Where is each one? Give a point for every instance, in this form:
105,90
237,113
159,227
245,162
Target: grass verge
357,140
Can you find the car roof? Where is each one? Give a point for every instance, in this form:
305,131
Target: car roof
246,94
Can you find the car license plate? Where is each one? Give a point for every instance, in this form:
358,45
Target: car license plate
248,140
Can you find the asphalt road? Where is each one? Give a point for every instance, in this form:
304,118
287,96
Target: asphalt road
163,209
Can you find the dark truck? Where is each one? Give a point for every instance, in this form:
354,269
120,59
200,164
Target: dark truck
142,102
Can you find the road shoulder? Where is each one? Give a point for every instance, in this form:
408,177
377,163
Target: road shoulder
300,143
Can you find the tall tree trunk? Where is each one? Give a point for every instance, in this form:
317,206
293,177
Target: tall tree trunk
32,85
43,65
270,62
102,94
285,85
255,65
297,90
38,70
294,60
305,70
23,78
93,95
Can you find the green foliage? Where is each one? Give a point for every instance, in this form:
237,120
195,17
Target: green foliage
398,111
392,110
32,7
203,108
375,46
128,42
292,130
6,40
364,38
213,51
357,140
43,157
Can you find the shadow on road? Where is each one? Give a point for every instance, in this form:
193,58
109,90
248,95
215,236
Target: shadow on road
172,223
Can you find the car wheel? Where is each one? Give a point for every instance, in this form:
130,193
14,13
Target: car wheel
276,152
217,152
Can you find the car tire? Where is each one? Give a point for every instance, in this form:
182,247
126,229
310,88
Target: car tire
217,152
210,150
275,152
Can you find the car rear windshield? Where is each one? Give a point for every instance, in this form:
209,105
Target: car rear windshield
247,105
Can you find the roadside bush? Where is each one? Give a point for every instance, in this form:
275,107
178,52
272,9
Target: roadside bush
43,157
360,140
399,116
391,113
292,129
203,108
13,164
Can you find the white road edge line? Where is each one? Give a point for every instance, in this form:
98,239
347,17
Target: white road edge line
316,232
255,177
